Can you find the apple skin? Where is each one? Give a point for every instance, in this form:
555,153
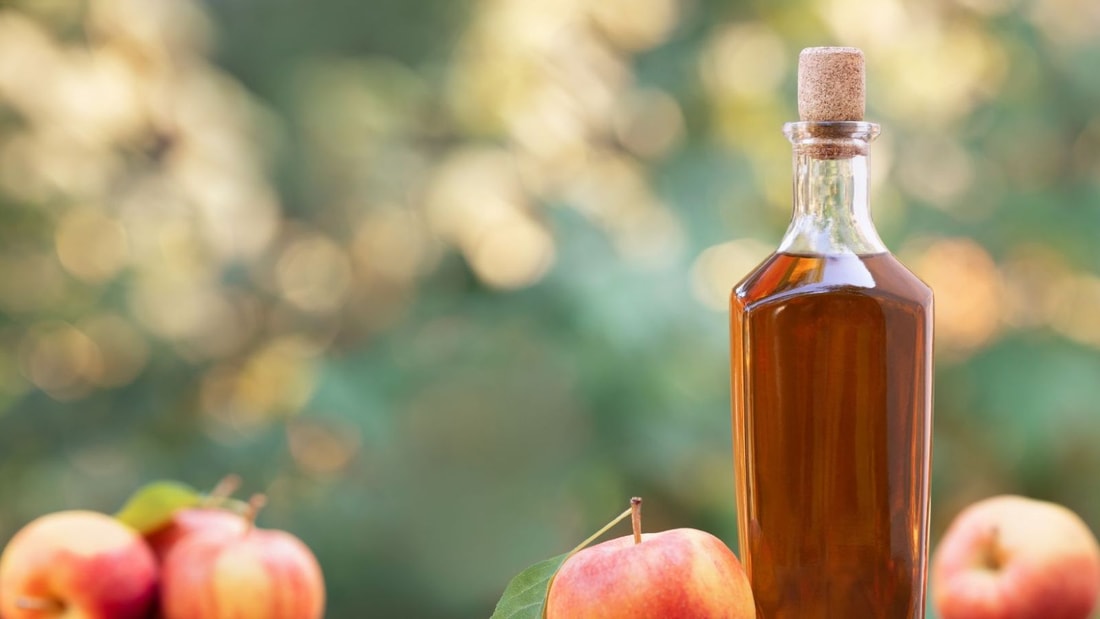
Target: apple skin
1010,557
676,574
188,522
254,574
89,564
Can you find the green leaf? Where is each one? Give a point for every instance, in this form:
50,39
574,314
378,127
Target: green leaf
525,596
154,504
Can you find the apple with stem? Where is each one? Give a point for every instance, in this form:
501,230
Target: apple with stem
77,564
675,574
1010,557
210,515
254,572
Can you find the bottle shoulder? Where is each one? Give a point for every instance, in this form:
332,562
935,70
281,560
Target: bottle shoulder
785,275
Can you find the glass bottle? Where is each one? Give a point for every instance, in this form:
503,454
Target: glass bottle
831,349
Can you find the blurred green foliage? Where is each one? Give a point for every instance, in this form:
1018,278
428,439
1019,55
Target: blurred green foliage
446,279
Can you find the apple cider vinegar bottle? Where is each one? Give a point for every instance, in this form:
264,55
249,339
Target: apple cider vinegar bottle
831,348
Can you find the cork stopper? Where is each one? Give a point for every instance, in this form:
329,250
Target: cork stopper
831,84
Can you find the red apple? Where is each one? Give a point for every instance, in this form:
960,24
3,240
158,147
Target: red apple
1013,557
252,573
677,574
77,564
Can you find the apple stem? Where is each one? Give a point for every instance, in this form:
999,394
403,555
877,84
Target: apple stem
636,518
222,490
255,504
993,557
46,605
226,487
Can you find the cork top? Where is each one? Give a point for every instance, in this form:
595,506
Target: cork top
831,84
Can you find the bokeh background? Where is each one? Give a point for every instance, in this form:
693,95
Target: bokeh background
447,278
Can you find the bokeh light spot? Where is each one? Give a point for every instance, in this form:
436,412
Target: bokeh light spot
60,360
277,379
635,24
513,254
745,60
322,448
392,243
651,123
719,267
969,293
91,245
314,274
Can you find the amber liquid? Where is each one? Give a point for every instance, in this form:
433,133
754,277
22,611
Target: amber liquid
831,362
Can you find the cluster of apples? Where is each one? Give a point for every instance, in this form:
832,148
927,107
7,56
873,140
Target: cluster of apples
1006,557
207,561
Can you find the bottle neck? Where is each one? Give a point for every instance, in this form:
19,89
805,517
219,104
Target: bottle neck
832,212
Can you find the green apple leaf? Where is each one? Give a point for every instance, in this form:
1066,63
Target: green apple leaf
525,595
154,504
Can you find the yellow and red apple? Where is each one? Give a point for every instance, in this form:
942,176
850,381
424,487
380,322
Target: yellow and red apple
676,574
77,564
1010,557
245,574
